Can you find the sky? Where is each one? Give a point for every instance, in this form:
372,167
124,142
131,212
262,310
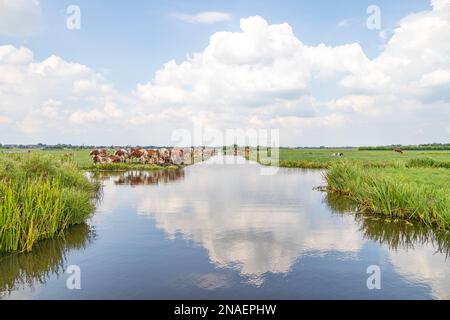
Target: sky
141,72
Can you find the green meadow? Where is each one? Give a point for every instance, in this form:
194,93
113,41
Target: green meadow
322,158
79,156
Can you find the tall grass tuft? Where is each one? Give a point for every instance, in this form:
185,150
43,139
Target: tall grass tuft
391,196
427,162
40,196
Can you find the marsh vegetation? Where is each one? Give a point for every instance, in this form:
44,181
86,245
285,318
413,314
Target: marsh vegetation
407,193
41,196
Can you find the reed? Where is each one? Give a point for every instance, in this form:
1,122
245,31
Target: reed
427,162
40,196
391,195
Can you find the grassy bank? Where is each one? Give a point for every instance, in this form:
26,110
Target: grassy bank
40,197
416,194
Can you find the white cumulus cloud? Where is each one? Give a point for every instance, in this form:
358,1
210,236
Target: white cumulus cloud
19,17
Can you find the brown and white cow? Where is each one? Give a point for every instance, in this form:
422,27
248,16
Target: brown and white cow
95,152
198,153
140,154
177,156
98,159
121,153
152,156
116,159
163,156
99,155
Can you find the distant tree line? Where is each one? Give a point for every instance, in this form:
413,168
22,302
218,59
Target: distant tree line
431,146
65,146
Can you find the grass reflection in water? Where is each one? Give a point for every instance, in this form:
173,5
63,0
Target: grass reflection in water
394,233
48,257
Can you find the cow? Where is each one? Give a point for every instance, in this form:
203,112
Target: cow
98,159
95,152
99,155
115,159
398,150
163,156
138,154
152,156
121,153
337,154
177,156
198,153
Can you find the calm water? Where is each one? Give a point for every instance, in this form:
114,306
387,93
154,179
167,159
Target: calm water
226,231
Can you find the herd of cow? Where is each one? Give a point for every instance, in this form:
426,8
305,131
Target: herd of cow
160,156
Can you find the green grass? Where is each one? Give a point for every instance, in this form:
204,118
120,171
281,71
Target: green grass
427,162
407,193
40,197
323,159
79,156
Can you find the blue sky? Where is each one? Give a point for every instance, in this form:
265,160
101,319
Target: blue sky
139,72
113,31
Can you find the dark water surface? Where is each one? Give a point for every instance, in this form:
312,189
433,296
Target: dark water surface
226,231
